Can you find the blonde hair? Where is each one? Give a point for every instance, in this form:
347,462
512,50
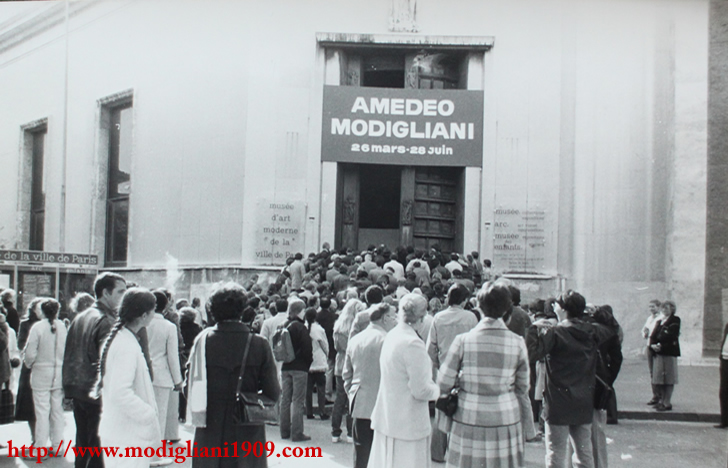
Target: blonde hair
412,307
346,319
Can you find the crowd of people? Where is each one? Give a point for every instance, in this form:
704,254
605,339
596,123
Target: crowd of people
382,334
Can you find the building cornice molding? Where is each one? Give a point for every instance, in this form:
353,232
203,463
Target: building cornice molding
414,41
41,22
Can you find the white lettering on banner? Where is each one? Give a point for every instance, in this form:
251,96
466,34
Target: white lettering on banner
402,129
401,106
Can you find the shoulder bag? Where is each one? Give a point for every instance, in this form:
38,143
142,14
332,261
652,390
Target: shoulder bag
254,407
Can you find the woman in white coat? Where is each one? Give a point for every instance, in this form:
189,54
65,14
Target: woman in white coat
44,357
401,417
129,414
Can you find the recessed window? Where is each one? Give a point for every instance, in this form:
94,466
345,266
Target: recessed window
119,184
37,138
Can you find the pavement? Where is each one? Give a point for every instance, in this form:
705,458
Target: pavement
695,398
643,438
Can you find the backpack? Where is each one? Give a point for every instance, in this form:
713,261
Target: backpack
283,346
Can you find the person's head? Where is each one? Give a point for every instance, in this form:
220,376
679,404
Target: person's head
325,303
655,306
412,308
457,294
296,308
281,306
346,319
80,302
326,246
248,316
187,314
475,255
161,299
196,302
362,274
669,308
181,303
604,316
298,256
487,263
109,288
373,295
227,302
454,257
494,299
136,310
515,295
385,316
309,316
50,307
572,303
33,311
7,297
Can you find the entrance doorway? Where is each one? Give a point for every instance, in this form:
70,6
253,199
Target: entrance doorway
399,205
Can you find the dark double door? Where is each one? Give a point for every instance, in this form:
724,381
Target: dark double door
399,205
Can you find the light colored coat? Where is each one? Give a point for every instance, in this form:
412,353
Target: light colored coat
361,370
406,385
320,345
129,415
164,352
446,325
44,355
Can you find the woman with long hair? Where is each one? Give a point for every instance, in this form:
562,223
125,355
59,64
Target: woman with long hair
24,409
129,417
44,356
342,327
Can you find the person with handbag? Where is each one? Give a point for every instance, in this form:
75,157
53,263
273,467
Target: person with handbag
129,417
489,364
446,325
44,356
226,361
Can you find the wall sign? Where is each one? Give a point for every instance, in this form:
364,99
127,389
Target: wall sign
521,240
417,127
279,230
32,256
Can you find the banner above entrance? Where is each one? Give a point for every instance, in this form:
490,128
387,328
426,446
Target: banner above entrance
414,127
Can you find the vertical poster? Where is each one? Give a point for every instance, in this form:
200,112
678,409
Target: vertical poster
279,230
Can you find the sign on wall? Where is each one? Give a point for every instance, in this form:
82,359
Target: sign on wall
33,256
403,126
279,230
522,240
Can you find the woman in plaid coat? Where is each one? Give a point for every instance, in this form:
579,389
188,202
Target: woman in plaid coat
493,366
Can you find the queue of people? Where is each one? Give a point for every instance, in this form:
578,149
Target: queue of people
380,334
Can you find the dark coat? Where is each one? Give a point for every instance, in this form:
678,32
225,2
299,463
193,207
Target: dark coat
302,346
224,355
85,339
24,407
667,333
327,319
570,349
608,367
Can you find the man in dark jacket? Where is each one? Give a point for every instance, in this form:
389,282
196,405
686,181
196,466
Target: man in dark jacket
326,318
294,374
7,301
84,341
570,349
